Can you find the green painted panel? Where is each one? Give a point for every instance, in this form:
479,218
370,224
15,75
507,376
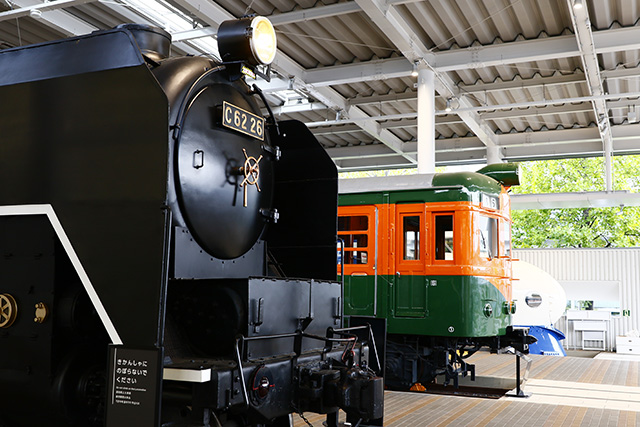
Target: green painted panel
471,181
410,296
439,303
359,295
505,173
447,187
362,199
454,194
430,305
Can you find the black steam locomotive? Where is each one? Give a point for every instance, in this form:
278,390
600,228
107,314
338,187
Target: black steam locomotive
158,261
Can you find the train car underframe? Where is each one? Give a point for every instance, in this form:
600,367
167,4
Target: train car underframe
413,359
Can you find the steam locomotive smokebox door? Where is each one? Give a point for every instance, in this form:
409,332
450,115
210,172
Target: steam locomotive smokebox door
211,165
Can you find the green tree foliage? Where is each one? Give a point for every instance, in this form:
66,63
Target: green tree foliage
588,227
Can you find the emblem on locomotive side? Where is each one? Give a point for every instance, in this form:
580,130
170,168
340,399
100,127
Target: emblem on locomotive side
8,310
251,170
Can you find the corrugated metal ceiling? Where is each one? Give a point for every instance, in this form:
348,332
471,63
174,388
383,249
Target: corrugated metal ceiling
530,87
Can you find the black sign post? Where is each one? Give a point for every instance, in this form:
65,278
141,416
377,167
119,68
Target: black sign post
135,387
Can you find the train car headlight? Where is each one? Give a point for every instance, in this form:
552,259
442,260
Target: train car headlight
488,310
252,40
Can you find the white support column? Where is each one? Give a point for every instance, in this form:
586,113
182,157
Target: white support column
584,36
494,155
426,120
608,168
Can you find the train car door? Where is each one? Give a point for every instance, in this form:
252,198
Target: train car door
357,227
410,291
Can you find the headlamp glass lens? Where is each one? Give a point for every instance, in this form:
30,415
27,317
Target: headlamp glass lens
263,40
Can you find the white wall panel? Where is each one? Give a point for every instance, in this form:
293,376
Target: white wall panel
593,265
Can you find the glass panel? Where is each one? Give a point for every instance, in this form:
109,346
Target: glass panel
353,223
355,257
355,240
349,227
444,237
488,228
411,233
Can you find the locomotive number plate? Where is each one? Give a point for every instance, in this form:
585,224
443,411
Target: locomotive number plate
243,121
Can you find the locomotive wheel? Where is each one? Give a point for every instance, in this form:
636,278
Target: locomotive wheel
8,310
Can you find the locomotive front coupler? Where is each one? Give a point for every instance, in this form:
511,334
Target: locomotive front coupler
327,380
518,338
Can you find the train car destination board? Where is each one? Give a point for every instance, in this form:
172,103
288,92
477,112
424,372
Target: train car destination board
242,121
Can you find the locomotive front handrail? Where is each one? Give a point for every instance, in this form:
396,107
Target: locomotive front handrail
245,395
188,99
298,335
259,92
341,242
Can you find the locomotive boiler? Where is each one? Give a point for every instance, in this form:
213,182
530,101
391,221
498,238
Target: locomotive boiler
157,265
431,256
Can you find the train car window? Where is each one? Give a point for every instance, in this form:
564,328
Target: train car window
444,237
353,229
488,228
411,239
354,257
353,223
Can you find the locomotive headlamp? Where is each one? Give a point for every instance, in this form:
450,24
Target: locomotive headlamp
248,39
263,41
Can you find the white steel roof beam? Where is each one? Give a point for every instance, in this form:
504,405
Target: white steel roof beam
584,37
59,20
38,6
66,23
379,99
546,82
317,12
580,142
279,19
131,16
557,47
520,109
292,17
298,108
605,41
476,57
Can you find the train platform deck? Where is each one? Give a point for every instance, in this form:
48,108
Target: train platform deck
565,391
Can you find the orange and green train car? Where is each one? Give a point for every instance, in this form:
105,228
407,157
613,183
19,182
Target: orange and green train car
430,254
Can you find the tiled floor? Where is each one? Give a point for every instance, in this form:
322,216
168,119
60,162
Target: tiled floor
565,391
